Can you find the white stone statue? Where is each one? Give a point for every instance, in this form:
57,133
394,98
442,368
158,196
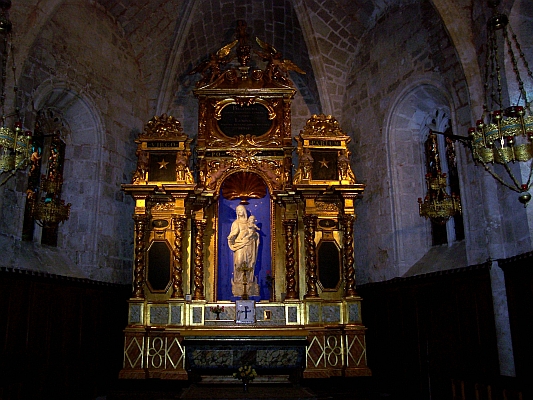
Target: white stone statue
243,240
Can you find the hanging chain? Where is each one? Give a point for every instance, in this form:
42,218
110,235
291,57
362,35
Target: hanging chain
496,60
515,65
15,85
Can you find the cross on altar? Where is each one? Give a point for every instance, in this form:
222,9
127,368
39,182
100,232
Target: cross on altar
245,311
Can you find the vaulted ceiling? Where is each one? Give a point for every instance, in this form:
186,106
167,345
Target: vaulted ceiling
171,37
168,38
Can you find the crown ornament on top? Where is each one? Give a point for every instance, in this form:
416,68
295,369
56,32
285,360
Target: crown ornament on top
162,127
276,71
322,125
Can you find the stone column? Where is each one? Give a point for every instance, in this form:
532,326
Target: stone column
310,256
290,271
348,257
177,269
138,273
199,260
501,318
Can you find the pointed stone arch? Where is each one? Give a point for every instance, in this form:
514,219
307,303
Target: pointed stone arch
406,133
78,237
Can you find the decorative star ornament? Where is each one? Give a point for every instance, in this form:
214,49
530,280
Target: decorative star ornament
163,164
324,163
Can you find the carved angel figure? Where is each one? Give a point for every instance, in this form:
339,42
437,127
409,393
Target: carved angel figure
305,166
141,173
211,69
345,170
183,173
277,69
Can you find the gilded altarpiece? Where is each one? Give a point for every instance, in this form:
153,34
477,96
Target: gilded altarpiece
240,256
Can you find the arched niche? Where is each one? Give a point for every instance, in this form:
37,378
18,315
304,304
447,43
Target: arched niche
78,236
259,206
416,107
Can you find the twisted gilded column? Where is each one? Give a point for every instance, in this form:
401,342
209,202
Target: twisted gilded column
348,258
177,269
290,270
310,256
139,267
199,260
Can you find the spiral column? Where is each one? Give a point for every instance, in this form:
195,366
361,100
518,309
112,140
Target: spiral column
139,268
290,262
177,269
310,256
348,259
199,260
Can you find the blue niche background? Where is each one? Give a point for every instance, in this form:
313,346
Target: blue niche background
260,208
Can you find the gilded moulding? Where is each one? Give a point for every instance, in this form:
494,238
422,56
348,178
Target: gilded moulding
272,171
245,101
217,132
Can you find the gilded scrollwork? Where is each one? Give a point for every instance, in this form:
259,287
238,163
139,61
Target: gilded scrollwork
273,171
243,102
322,125
162,135
215,171
210,130
327,206
162,127
245,159
161,206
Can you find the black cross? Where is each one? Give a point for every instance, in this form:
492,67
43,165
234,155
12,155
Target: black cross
246,311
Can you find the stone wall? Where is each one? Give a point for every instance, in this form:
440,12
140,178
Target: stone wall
81,65
395,69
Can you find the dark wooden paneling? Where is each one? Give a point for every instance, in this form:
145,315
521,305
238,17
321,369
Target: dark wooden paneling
423,331
62,337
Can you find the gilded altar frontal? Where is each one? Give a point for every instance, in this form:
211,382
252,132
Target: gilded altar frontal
244,237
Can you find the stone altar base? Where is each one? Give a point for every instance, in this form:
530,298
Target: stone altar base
269,356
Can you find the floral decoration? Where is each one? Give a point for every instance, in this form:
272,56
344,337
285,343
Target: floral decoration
245,373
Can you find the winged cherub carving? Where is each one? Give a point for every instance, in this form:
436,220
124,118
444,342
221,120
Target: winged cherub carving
277,69
211,68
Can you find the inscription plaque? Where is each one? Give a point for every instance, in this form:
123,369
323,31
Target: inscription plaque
244,120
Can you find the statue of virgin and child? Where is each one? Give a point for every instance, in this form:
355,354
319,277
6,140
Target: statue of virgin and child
243,240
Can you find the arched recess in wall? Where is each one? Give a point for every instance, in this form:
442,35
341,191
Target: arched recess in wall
418,106
82,169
